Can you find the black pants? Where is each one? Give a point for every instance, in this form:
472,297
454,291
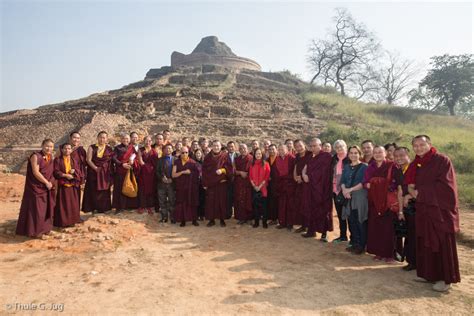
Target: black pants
342,222
259,205
230,200
358,230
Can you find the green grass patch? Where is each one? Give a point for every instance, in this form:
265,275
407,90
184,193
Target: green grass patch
355,121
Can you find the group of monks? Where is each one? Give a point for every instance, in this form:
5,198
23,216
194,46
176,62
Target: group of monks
394,208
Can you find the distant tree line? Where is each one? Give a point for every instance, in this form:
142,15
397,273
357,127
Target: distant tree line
352,60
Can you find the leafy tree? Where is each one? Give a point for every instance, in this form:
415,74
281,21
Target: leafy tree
448,84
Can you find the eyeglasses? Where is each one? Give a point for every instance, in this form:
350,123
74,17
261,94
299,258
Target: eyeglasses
184,152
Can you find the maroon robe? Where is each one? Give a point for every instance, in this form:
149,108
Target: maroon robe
243,190
187,191
67,209
318,197
147,181
119,200
437,221
300,191
285,189
216,192
273,192
79,154
37,204
97,189
380,231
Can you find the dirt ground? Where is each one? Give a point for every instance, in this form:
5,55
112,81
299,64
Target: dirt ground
131,264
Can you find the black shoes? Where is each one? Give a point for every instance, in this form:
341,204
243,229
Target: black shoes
183,223
409,267
265,225
195,223
211,223
308,235
300,230
222,223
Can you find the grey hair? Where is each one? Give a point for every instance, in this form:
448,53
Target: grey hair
316,140
340,142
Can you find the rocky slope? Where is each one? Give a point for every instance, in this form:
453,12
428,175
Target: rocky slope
209,100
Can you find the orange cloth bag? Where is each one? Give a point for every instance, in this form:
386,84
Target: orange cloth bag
130,187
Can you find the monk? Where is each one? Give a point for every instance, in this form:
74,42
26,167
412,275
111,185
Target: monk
255,145
380,230
266,144
167,137
187,143
367,147
204,144
67,171
37,204
186,178
122,163
194,147
99,176
272,186
317,173
302,158
290,145
79,154
390,149
285,162
242,187
133,159
216,171
327,147
432,181
147,158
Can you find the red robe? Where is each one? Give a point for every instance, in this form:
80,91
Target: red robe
243,190
37,205
285,189
122,155
67,210
216,193
97,189
79,154
300,190
187,191
319,196
380,230
147,190
272,192
437,220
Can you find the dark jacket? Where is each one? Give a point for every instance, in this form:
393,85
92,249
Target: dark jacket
160,169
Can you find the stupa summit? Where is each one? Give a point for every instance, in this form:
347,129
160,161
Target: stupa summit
208,52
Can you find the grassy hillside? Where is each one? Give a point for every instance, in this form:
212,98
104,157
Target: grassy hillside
355,121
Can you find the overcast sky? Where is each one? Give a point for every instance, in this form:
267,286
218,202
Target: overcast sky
52,51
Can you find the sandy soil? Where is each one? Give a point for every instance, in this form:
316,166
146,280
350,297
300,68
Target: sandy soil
130,263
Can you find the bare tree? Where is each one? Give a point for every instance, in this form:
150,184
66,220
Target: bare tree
395,77
345,57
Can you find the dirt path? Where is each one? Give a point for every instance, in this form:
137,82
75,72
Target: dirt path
132,264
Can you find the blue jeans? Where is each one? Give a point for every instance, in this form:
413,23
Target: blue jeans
358,230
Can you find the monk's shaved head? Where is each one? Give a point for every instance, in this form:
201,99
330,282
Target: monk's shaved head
315,141
425,138
243,149
282,149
